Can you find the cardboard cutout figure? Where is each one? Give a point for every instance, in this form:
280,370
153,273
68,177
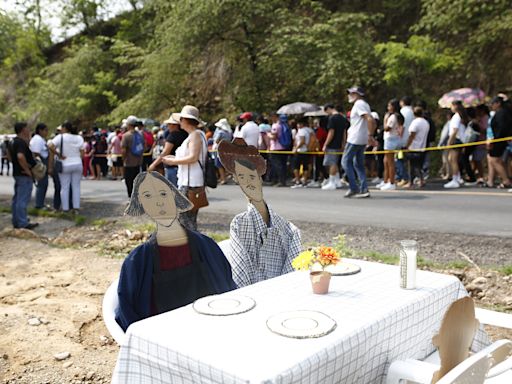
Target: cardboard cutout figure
175,266
262,243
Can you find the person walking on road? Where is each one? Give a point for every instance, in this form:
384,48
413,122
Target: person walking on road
362,126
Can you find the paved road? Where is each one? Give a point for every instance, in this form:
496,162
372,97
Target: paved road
468,211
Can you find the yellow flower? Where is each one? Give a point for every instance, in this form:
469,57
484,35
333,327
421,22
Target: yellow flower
303,261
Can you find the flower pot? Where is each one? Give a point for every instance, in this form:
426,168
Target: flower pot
320,281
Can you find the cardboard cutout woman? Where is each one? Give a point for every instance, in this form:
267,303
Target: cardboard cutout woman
175,266
262,243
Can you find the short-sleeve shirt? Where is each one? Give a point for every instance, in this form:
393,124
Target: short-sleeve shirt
38,145
304,132
18,145
391,123
129,159
456,125
71,147
358,131
176,138
250,132
339,124
276,130
421,127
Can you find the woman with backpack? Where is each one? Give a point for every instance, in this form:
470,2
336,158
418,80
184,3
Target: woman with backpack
191,161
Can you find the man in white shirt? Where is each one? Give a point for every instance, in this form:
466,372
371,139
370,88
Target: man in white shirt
39,149
408,114
249,131
362,126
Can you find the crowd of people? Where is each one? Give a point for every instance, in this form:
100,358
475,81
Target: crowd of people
338,149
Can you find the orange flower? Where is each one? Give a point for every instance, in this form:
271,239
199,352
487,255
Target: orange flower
327,256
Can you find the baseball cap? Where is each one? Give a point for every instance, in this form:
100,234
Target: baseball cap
356,89
246,115
132,120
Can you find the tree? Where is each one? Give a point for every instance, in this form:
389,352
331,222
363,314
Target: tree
419,67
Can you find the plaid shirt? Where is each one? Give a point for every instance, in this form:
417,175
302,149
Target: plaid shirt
259,252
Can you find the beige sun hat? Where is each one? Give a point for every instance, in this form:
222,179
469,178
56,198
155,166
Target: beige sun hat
174,118
190,112
223,124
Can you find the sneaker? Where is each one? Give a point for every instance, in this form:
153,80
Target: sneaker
313,184
452,184
31,225
510,190
338,184
376,180
325,182
298,185
401,183
329,187
381,184
349,194
362,195
470,183
388,187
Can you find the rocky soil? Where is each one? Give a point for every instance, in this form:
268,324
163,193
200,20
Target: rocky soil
52,282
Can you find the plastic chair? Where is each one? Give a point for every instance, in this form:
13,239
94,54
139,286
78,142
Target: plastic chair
473,370
109,305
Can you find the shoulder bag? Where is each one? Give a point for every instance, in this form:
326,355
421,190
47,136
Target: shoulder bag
197,195
58,166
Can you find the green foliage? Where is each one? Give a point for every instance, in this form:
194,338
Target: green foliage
226,56
416,61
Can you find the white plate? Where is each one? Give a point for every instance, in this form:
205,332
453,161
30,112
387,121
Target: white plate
303,324
223,305
343,269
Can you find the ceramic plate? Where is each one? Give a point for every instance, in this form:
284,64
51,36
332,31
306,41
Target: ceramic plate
301,324
223,305
343,269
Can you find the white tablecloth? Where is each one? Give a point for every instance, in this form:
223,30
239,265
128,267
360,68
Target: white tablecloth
377,323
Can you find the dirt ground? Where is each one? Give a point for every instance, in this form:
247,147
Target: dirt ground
52,282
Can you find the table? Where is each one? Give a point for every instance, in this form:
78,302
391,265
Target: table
377,323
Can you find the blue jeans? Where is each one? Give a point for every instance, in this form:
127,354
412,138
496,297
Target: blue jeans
41,188
20,200
353,160
401,170
172,175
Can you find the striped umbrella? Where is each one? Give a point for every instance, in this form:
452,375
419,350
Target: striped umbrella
470,97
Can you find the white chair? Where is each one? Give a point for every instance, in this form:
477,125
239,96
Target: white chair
458,320
109,305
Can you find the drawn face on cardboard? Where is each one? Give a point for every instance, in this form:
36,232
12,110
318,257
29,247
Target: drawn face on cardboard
157,200
246,175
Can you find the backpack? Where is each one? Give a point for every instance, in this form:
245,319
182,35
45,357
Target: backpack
137,148
209,170
314,144
285,137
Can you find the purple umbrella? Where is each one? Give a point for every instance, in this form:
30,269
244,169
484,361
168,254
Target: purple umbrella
470,97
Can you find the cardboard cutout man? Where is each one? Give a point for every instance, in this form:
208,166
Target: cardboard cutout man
175,266
262,243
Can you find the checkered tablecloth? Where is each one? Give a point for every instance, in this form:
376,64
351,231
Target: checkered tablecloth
377,323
